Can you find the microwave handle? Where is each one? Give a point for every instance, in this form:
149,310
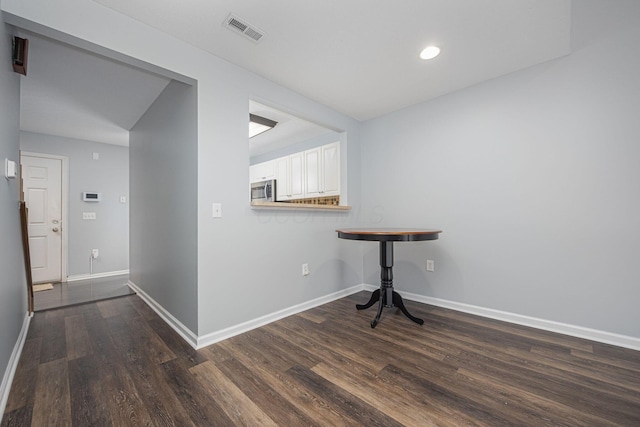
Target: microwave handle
265,191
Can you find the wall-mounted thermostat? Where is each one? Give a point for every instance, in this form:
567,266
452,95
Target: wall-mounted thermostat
89,196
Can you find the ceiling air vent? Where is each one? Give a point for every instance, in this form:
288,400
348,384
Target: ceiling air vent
242,27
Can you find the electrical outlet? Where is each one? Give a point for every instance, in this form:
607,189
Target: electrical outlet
94,253
430,265
305,269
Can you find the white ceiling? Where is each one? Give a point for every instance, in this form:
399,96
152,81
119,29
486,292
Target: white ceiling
359,57
289,130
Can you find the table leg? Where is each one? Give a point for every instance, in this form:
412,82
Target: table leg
397,301
375,296
386,296
381,304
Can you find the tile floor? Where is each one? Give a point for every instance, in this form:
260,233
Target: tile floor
81,291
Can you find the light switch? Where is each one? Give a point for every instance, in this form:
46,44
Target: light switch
88,215
96,156
123,199
217,210
10,169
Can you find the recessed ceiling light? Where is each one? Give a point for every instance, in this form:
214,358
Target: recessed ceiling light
430,52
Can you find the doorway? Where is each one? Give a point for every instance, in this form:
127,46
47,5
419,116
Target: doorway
45,184
44,177
74,96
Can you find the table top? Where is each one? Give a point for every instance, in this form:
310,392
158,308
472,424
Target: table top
388,234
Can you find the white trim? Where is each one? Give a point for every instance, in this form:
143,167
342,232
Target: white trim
198,342
231,331
534,322
77,277
12,366
64,256
175,324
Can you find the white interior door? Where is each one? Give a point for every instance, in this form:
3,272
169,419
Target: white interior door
42,185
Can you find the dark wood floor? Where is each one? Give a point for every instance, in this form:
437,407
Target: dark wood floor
116,363
81,291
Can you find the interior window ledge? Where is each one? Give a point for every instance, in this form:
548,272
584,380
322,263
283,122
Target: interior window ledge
285,205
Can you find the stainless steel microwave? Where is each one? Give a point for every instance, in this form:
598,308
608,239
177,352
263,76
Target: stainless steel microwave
263,191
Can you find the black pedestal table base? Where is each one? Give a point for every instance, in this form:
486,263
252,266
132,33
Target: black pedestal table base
396,301
386,296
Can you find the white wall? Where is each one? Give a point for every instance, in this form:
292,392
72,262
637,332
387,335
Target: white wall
248,261
534,179
109,175
13,287
164,241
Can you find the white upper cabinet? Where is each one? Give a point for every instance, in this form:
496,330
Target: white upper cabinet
282,179
289,177
313,173
322,176
296,176
307,174
263,171
331,169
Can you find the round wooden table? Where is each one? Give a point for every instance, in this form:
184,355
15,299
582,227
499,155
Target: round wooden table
386,296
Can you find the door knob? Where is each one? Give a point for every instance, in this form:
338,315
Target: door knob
55,229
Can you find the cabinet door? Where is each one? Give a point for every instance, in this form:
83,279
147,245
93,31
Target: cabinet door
282,179
262,171
313,172
330,169
253,173
296,175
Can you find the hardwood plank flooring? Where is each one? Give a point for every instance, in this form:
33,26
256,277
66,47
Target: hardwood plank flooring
51,404
116,363
77,337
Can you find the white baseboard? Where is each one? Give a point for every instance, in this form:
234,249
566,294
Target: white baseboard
518,319
223,334
77,277
174,323
9,373
198,342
